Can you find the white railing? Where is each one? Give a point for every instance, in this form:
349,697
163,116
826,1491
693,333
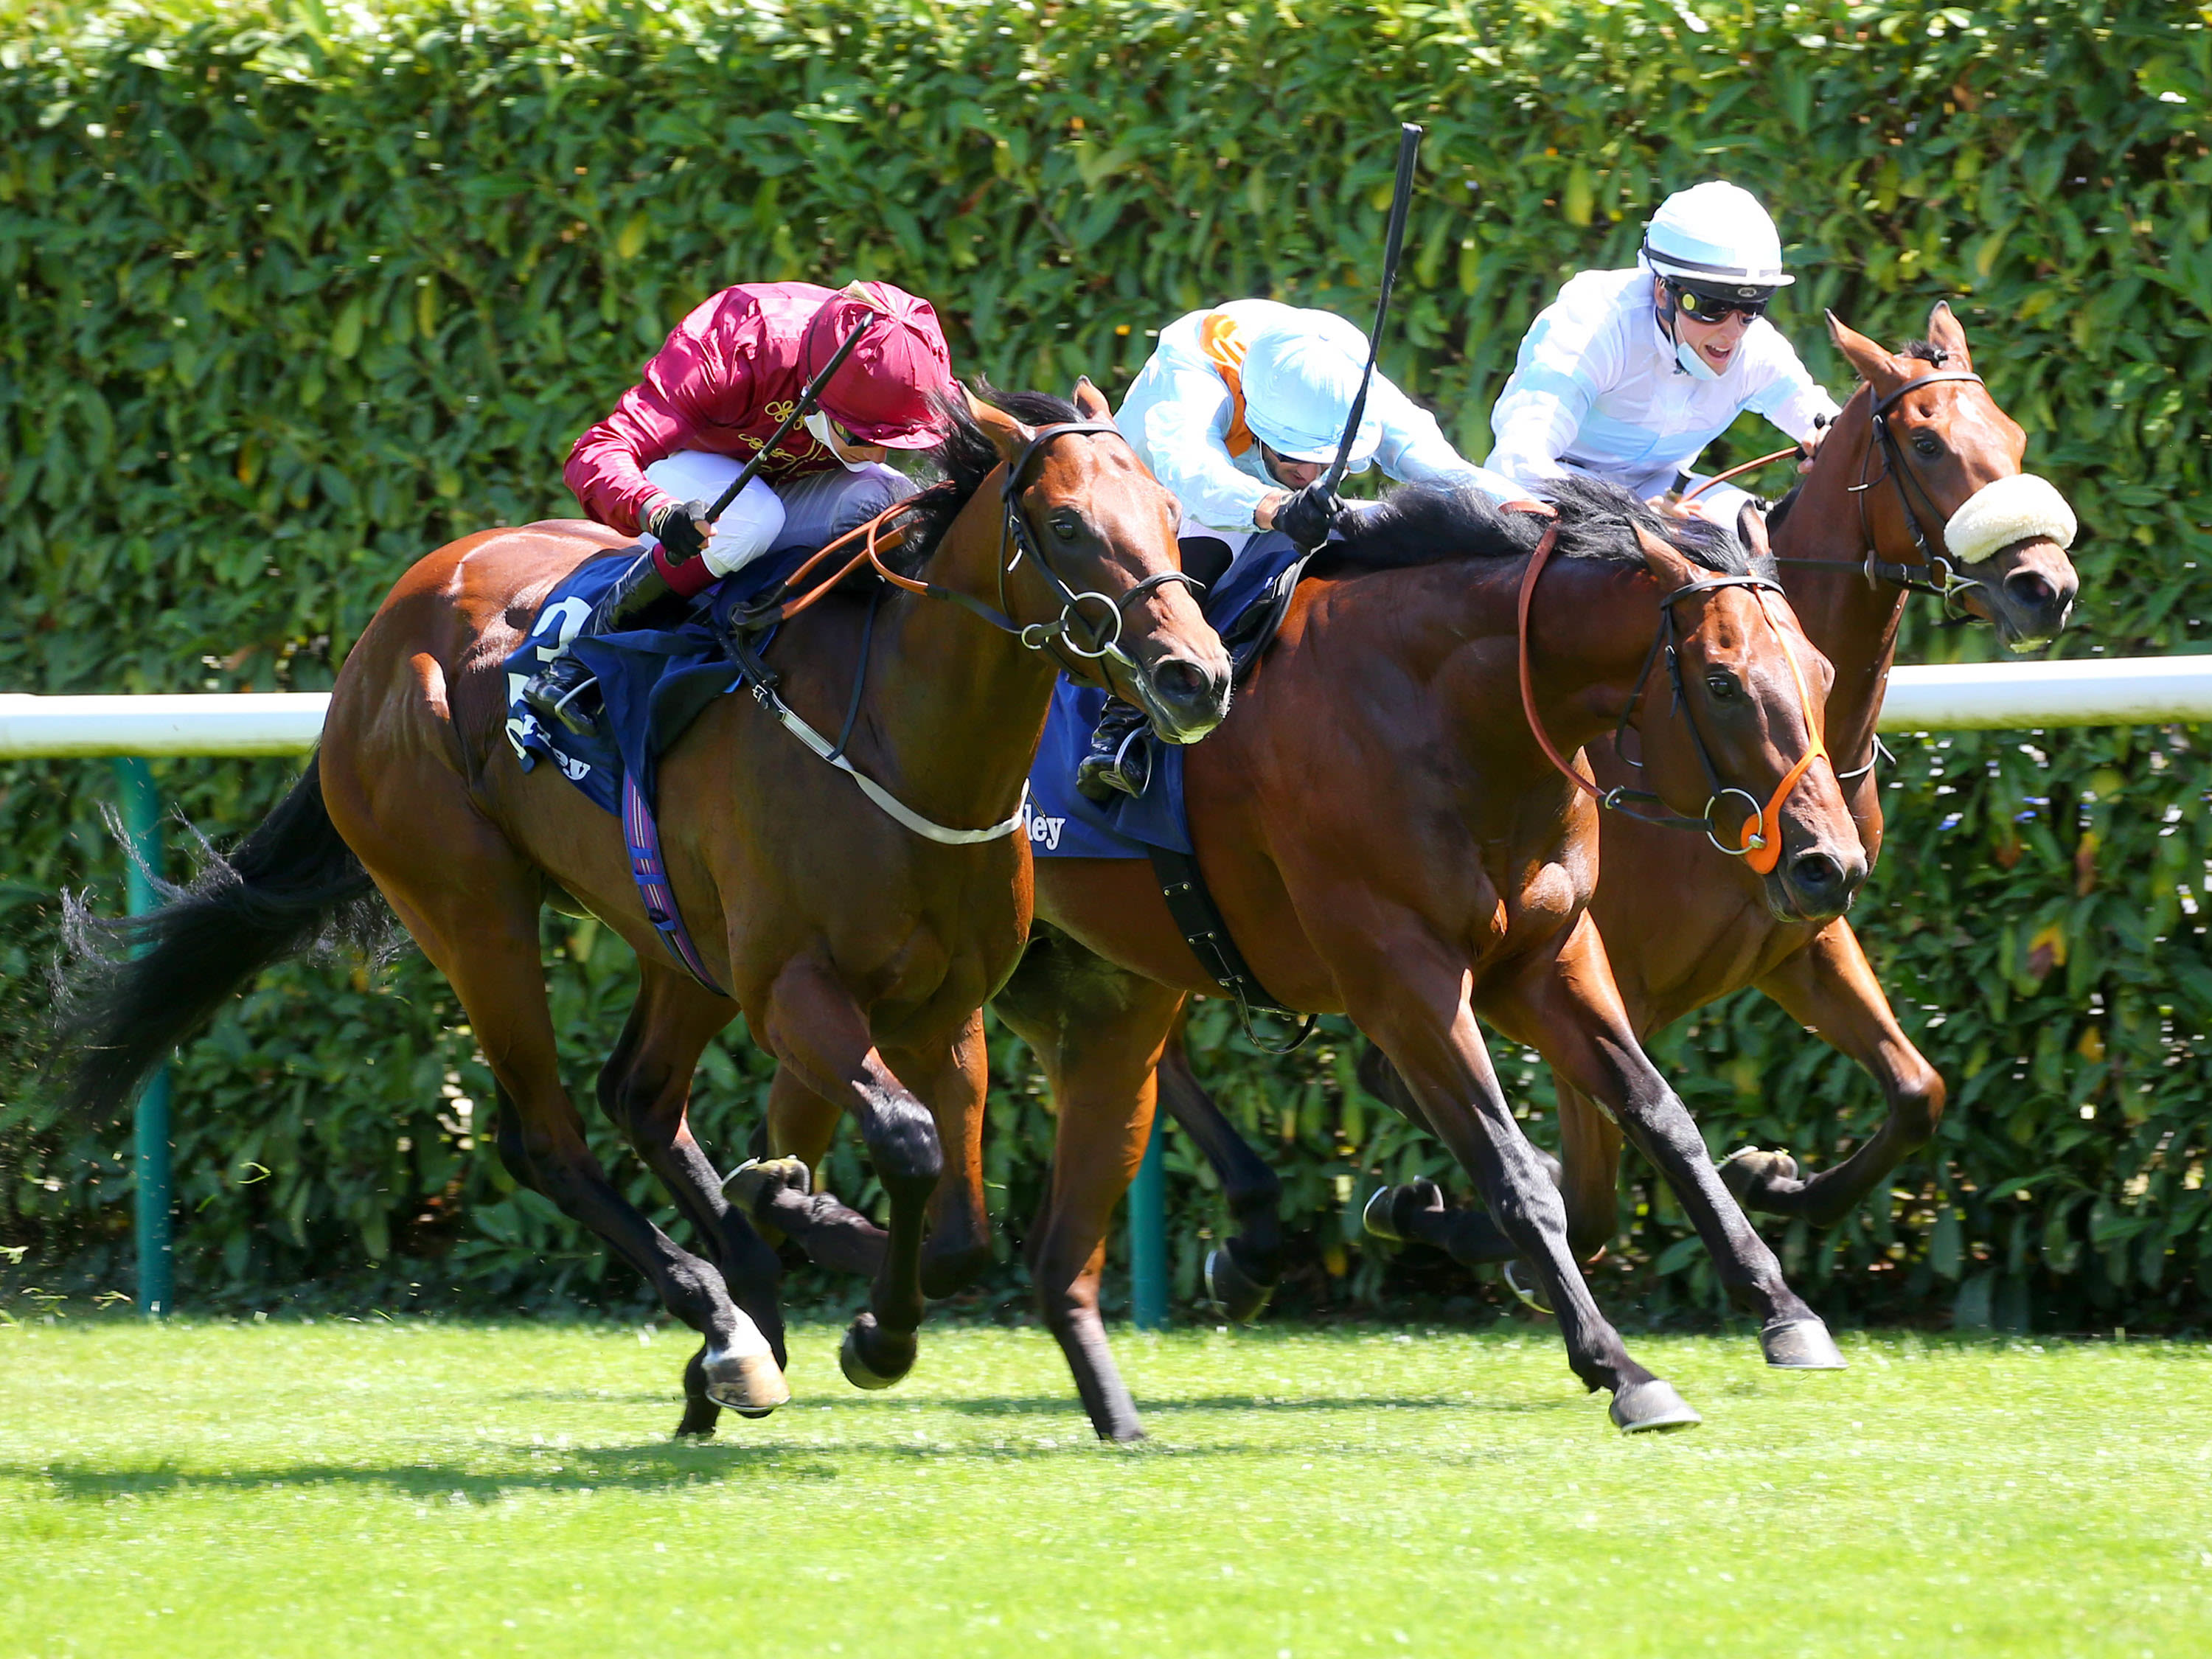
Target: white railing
1958,696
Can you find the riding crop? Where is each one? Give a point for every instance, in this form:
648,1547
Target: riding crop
1402,201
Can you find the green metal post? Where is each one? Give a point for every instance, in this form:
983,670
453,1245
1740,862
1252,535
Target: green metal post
142,823
1148,1238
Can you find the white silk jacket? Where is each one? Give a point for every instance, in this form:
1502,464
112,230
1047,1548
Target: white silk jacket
1597,388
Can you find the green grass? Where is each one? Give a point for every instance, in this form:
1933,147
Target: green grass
421,1488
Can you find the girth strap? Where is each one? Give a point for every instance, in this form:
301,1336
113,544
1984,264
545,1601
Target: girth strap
1206,932
650,871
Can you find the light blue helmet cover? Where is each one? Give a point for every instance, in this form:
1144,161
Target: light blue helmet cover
1300,378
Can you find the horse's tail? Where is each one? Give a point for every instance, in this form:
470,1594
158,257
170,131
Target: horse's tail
138,987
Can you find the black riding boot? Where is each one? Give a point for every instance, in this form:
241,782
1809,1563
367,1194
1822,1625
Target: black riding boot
562,690
1121,758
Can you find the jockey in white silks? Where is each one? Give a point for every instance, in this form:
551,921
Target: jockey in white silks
1239,411
1628,374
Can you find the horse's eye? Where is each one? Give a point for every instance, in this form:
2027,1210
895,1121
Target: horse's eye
1066,526
1724,685
1926,446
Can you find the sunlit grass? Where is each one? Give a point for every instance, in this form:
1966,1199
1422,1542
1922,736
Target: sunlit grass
351,1489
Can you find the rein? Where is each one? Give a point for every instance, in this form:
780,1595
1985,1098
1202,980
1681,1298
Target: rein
1753,844
885,533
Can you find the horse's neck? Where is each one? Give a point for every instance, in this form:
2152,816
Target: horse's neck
955,707
1854,622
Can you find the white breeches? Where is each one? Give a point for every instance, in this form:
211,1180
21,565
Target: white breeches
809,511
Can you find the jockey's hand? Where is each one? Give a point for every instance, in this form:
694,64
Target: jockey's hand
682,527
1809,448
1308,516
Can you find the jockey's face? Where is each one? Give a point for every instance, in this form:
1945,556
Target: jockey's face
843,446
1291,474
1713,342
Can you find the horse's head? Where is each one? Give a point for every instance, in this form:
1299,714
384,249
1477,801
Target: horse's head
1743,732
1933,459
1091,537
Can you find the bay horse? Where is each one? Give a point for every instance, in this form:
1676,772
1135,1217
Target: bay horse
1390,832
861,952
1684,925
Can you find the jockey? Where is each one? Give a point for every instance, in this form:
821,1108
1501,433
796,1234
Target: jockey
1629,374
1239,412
709,400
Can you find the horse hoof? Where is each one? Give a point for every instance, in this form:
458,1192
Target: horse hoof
1524,1284
1643,1407
1750,1174
1235,1295
745,1379
759,1179
872,1359
1376,1217
1387,1209
1801,1345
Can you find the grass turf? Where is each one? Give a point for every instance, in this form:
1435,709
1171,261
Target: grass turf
251,1490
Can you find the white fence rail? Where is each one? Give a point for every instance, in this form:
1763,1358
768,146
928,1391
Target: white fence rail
1960,696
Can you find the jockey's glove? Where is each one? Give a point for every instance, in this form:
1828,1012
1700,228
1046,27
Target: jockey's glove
1308,516
677,523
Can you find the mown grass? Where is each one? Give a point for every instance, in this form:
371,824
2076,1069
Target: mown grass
251,1490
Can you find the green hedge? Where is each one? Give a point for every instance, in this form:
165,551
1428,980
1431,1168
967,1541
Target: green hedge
293,292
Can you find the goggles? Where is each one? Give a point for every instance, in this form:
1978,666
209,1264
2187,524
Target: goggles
1703,305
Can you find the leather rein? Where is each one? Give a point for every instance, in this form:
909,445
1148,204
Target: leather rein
1755,844
885,533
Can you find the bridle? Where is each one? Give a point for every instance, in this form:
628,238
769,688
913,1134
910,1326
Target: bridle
882,534
1942,578
1755,844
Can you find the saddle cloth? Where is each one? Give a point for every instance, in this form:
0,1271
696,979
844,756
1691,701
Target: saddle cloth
652,682
1061,823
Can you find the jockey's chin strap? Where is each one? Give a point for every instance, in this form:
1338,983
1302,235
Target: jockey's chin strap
1759,841
883,534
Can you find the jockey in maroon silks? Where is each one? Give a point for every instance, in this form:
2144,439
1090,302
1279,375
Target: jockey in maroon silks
709,400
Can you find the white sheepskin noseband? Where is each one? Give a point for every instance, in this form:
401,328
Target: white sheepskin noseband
2007,511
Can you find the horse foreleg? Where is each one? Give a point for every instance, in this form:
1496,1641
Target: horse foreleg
1830,987
644,1088
812,1024
1098,1032
1241,1271
780,1193
1421,1015
1568,1008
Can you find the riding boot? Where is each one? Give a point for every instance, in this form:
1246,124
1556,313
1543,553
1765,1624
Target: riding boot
1121,758
562,689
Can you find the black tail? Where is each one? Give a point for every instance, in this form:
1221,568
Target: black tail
138,987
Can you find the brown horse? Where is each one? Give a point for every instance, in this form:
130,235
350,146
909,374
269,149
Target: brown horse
860,950
1686,926
1382,830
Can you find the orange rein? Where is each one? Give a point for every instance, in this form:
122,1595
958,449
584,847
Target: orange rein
875,543
1748,466
1759,850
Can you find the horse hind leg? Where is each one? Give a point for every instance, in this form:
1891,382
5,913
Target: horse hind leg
644,1088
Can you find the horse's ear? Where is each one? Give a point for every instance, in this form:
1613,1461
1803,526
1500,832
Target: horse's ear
1673,570
1875,366
1945,334
1091,401
1007,435
1751,530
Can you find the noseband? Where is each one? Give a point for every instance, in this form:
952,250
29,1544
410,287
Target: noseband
1755,844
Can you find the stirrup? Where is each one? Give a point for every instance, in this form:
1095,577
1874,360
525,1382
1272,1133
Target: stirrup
1127,771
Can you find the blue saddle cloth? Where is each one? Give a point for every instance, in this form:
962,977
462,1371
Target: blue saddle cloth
652,682
1061,823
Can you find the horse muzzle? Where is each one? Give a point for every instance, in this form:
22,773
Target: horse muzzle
1815,883
1182,697
2010,537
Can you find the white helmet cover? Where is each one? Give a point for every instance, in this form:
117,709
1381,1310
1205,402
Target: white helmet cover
1716,236
1300,378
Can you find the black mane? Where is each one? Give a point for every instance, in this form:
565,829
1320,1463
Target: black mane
964,459
1438,524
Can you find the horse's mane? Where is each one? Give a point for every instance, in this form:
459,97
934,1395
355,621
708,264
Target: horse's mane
964,460
1429,523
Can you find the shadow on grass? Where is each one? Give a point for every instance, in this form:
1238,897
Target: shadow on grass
1059,1405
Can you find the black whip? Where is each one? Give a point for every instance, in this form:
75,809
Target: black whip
1402,201
799,411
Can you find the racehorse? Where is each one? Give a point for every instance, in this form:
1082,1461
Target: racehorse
860,949
1685,925
1391,831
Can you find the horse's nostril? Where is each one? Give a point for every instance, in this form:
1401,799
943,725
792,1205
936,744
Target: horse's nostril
1177,679
2029,589
1815,872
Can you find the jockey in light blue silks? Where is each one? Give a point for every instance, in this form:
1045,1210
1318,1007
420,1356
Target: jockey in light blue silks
1239,411
1629,374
